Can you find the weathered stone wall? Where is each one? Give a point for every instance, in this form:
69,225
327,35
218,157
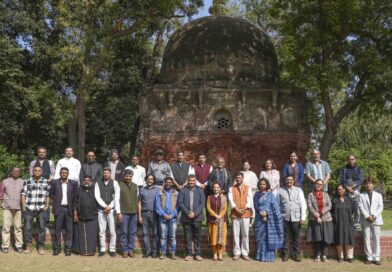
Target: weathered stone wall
233,147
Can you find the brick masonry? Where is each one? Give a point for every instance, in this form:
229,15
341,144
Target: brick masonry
307,249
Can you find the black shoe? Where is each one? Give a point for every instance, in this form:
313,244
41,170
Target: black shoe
5,250
68,253
154,255
285,258
350,260
147,255
19,249
298,258
340,260
368,262
56,252
377,262
101,253
112,254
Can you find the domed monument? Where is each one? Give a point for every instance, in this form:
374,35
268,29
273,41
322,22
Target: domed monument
221,95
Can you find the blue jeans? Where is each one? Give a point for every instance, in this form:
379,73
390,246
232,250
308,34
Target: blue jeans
150,220
168,229
128,230
28,225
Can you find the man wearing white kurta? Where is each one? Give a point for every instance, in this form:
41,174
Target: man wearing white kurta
139,172
71,163
371,207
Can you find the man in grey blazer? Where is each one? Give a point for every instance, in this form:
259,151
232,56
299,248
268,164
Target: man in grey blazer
371,206
293,209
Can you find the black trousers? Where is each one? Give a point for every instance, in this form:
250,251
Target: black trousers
292,229
192,232
63,218
320,249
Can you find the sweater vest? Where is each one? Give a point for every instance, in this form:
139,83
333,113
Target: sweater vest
107,191
202,173
180,173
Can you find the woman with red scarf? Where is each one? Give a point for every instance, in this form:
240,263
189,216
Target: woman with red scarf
320,229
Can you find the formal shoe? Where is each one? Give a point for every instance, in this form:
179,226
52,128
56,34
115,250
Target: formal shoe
131,254
368,262
147,255
340,260
4,250
285,258
101,253
298,258
162,257
198,258
41,250
236,257
350,260
317,259
172,256
246,258
154,255
377,262
28,249
68,253
19,249
188,258
112,254
125,255
215,258
56,252
324,259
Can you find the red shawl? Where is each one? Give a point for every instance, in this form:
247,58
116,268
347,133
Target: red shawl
319,197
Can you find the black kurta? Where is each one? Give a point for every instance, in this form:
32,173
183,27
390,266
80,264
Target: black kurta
342,214
86,229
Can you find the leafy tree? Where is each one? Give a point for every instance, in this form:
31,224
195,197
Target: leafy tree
339,51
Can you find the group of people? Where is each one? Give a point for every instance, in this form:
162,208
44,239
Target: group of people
87,199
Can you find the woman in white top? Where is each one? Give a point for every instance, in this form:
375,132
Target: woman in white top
272,175
250,179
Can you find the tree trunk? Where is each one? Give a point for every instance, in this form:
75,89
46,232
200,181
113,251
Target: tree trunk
81,123
326,142
72,133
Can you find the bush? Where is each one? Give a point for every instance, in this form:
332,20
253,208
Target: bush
7,161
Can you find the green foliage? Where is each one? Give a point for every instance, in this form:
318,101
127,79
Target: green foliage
7,161
339,51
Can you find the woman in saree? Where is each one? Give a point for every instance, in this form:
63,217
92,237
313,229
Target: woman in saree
216,218
269,223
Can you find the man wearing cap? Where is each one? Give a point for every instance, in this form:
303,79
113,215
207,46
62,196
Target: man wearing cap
159,168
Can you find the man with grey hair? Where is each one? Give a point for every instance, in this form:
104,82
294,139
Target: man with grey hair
317,169
222,175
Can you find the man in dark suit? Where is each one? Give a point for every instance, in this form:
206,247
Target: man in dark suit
191,201
63,192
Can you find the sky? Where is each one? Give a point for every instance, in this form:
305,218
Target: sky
204,10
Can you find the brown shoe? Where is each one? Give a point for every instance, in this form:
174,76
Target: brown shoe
246,258
198,258
236,257
131,254
28,249
125,255
41,250
188,258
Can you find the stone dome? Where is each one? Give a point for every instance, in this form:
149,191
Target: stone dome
220,48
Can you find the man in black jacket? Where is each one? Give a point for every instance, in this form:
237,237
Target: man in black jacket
191,201
91,168
116,166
